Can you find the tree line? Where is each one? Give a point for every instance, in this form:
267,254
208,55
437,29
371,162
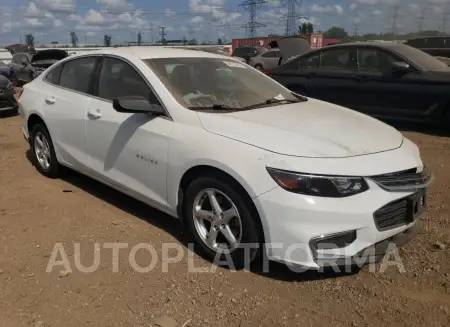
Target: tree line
107,39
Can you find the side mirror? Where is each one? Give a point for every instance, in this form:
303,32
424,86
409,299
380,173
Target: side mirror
24,64
401,67
137,104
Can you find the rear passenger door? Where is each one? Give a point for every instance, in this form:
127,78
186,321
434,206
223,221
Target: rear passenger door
127,150
270,59
67,98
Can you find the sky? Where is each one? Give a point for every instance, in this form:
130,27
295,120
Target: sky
204,20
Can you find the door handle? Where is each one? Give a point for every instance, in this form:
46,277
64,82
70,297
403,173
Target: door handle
362,78
50,100
310,75
94,113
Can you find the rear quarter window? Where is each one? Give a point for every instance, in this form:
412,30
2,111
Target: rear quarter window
54,75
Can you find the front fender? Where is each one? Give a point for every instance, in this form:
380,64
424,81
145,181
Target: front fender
245,163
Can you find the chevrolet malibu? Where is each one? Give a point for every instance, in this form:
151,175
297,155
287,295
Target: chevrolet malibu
248,166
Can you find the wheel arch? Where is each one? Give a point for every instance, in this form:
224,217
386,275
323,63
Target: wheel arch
224,174
34,119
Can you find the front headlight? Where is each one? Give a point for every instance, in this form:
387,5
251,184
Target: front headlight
324,186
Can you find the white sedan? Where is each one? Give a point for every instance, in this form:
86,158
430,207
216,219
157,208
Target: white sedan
247,165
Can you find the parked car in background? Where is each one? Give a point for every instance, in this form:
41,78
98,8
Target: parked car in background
27,63
292,46
7,100
6,71
434,45
248,52
444,60
240,159
386,80
266,60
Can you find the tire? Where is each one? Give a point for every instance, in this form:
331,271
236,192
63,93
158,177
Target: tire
249,234
43,152
259,67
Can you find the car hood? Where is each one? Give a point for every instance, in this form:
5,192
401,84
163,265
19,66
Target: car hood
51,54
307,129
20,48
292,46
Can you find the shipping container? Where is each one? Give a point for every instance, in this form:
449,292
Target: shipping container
254,41
330,42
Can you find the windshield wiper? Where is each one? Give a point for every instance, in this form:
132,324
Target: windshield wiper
268,102
220,107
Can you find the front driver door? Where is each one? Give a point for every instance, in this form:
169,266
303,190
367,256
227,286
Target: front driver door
127,150
382,92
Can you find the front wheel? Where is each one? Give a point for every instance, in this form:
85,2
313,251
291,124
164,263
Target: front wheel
259,67
222,223
43,152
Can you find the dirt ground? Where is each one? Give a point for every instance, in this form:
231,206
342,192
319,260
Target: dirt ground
36,213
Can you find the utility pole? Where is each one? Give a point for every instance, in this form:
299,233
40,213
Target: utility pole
356,28
444,23
151,32
291,15
252,7
85,39
163,34
395,17
422,18
21,39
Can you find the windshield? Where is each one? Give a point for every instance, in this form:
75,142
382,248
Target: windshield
422,59
215,82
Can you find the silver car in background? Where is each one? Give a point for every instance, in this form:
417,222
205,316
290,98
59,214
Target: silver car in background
266,60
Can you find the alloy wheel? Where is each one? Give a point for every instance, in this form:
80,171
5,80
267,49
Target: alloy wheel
217,221
42,150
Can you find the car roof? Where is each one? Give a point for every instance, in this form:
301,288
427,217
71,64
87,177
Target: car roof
385,45
151,52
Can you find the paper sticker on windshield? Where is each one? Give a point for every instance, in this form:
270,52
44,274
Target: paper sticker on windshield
234,64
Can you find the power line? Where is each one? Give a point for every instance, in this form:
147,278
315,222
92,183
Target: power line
252,7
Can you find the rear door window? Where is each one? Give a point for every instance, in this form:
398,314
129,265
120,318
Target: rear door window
118,79
77,74
339,59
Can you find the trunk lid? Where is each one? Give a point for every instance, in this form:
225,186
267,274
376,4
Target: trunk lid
20,48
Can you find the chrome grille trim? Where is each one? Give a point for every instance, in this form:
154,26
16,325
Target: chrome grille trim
407,180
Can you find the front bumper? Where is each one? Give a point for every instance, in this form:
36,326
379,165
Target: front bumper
293,222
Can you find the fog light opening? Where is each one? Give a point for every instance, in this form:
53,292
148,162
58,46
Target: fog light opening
335,241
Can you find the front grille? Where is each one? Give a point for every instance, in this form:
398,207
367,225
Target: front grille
404,180
392,215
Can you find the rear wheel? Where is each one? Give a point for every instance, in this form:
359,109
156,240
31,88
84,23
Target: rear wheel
221,222
43,152
446,121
